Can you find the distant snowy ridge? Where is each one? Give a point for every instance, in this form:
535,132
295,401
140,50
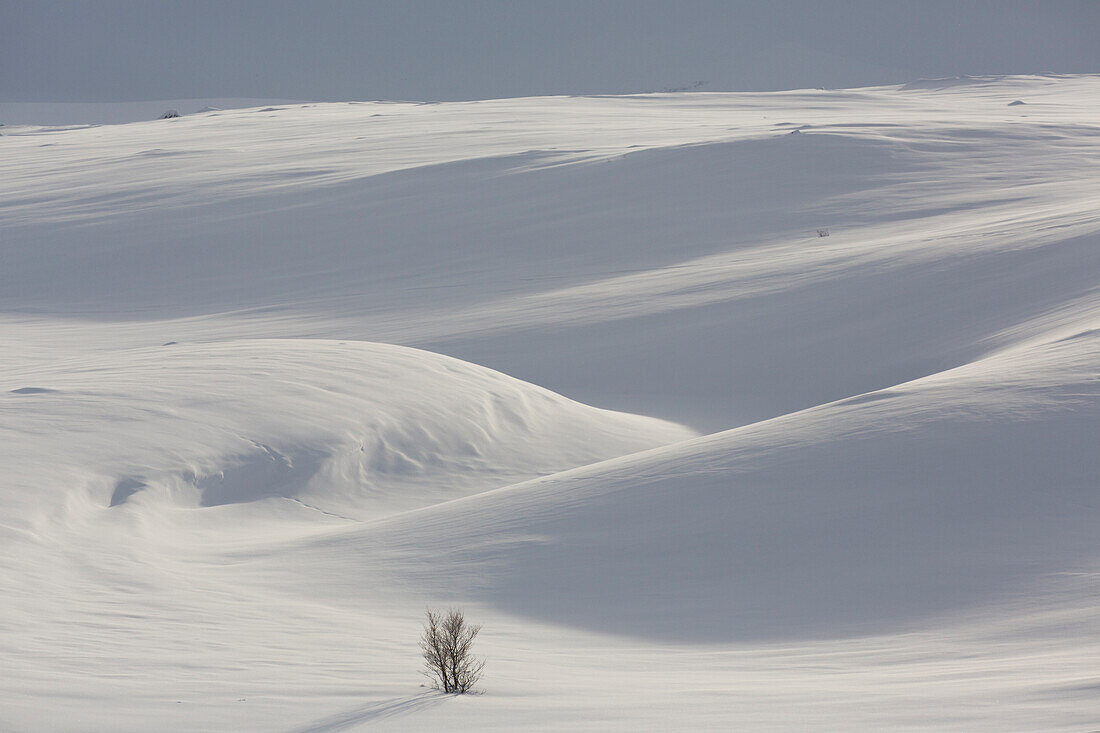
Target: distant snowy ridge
46,114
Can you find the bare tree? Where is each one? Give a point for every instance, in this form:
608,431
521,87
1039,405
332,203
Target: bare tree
446,642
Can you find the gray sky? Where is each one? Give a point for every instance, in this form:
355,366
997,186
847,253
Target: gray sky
448,49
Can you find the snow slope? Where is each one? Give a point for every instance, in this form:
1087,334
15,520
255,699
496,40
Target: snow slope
814,524
375,427
230,487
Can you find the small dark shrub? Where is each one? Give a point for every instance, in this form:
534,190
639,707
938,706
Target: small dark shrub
446,643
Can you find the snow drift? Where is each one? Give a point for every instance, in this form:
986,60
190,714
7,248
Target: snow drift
351,427
815,524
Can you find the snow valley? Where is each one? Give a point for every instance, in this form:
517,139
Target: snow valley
274,379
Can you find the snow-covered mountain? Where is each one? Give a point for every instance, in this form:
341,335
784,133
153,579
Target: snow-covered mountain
274,379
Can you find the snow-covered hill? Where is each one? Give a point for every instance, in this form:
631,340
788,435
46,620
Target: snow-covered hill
229,489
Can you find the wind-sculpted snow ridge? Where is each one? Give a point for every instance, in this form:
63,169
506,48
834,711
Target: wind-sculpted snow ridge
347,427
229,486
873,513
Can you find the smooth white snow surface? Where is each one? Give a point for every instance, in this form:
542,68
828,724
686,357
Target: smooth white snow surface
845,483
